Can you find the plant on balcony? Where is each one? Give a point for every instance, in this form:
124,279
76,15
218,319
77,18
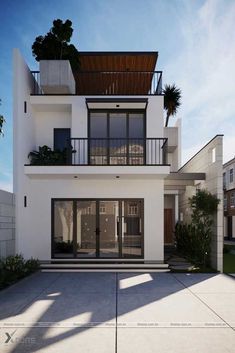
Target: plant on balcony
46,156
55,44
172,100
194,239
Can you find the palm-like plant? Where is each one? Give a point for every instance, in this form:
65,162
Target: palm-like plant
2,121
172,100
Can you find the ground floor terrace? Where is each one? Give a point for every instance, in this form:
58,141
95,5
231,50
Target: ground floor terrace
52,312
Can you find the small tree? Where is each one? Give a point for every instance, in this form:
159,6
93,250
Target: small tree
194,240
204,205
55,44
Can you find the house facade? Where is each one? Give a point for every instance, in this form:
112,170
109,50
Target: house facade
115,188
229,199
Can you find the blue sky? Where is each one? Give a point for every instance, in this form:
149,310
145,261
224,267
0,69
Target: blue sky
195,41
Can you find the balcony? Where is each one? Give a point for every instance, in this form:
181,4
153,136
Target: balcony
107,83
118,151
107,158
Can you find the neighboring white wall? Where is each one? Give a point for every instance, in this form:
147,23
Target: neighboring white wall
173,133
35,225
23,132
154,116
203,162
7,224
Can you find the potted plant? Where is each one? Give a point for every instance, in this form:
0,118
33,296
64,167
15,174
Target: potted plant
58,59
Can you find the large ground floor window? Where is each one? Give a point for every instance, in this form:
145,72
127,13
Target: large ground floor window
97,228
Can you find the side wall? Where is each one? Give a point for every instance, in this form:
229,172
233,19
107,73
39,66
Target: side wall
208,160
7,224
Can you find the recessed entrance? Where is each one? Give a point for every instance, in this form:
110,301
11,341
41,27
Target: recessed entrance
100,228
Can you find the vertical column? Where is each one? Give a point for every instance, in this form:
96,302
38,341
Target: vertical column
176,208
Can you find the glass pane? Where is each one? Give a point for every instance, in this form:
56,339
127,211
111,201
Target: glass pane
117,128
98,125
109,225
98,151
131,229
63,229
86,229
136,125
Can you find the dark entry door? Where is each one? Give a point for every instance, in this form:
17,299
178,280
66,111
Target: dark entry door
168,226
230,227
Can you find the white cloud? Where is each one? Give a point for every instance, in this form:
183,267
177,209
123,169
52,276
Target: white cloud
205,71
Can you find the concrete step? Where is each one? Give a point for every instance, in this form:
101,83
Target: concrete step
109,267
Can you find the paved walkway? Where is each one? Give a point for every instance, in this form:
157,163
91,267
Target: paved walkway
119,312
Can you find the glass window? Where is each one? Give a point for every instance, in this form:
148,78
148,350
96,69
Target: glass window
231,175
133,209
102,208
98,125
117,125
232,199
225,202
224,180
136,125
213,155
63,229
61,138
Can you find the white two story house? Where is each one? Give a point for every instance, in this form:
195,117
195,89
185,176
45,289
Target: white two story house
117,188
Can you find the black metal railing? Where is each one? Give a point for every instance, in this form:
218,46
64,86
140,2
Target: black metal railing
36,83
111,83
117,151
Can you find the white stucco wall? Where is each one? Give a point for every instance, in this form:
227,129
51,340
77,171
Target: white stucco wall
34,230
34,128
203,162
46,122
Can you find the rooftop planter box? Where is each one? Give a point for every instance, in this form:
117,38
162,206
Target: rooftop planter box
56,77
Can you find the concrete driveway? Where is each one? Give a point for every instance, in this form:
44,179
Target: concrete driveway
119,312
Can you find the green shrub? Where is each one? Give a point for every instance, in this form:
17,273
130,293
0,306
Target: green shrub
31,265
14,268
15,264
194,240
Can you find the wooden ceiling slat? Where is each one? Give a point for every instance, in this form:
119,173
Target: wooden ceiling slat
130,83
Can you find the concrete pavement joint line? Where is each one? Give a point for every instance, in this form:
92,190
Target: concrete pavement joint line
30,302
194,294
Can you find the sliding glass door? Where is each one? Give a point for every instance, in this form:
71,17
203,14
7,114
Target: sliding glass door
117,137
97,228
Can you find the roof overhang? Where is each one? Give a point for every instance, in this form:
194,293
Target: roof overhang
116,103
179,181
186,176
118,61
